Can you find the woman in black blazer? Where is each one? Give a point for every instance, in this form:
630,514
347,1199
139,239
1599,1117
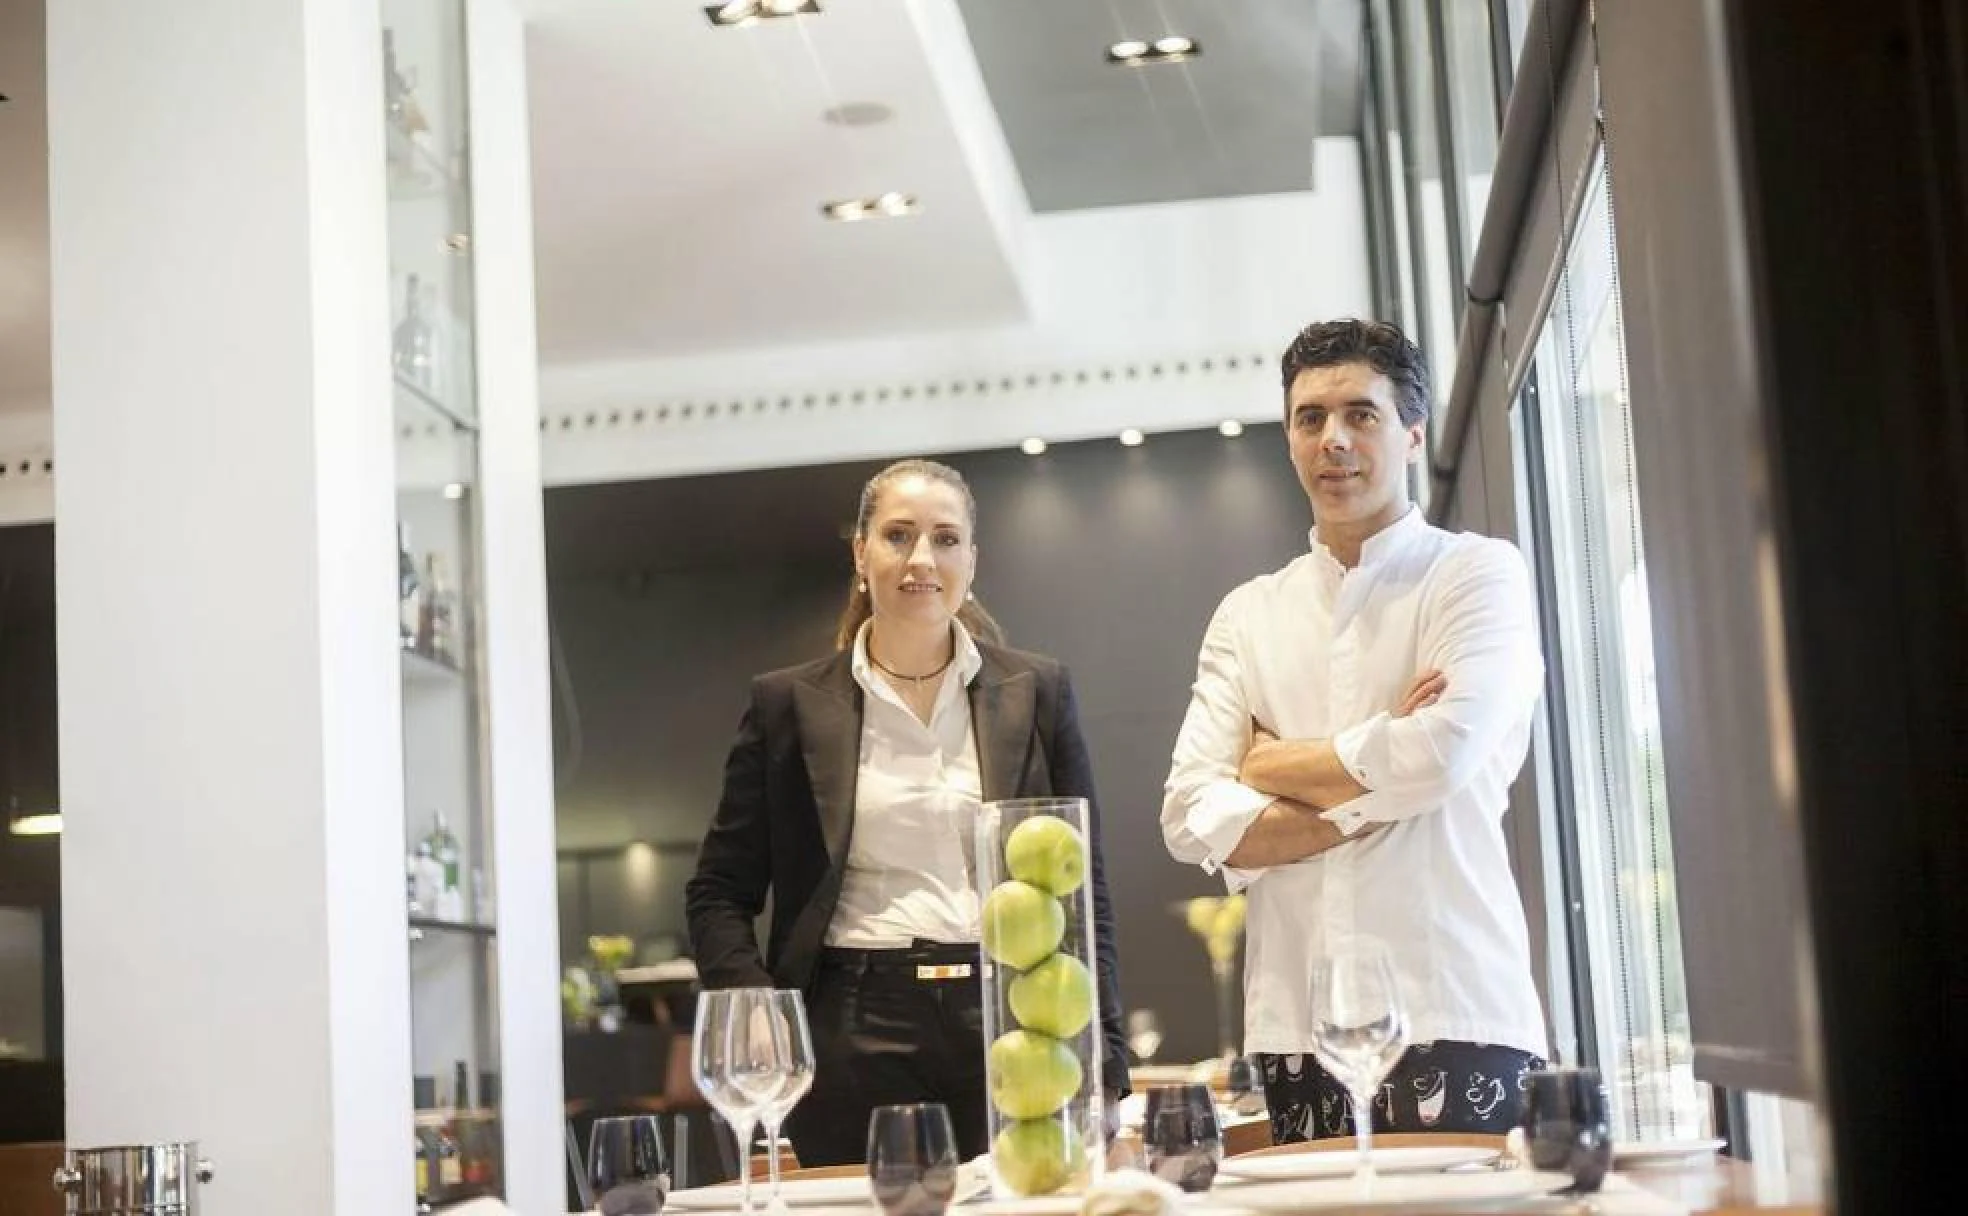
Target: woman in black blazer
849,797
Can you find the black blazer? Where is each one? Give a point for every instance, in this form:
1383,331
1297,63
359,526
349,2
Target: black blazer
787,813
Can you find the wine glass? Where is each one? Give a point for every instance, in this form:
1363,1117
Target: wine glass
912,1158
1144,1034
714,1069
1359,1030
626,1167
792,1043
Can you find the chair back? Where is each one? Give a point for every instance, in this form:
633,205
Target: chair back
27,1174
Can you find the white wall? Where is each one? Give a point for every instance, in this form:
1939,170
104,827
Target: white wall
520,727
235,959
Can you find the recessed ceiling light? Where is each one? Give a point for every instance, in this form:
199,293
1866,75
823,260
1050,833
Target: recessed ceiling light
454,490
744,12
1033,446
44,823
1169,48
891,205
1230,428
1130,438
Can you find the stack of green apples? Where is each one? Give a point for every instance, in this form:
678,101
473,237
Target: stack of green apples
1034,1071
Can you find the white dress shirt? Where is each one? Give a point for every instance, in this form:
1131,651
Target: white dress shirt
916,796
1317,651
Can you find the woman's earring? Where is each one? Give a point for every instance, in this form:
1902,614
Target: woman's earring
862,586
970,595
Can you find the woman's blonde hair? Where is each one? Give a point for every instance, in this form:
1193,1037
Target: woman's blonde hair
859,607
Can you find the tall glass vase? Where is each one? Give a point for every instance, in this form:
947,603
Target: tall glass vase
1223,975
1041,1001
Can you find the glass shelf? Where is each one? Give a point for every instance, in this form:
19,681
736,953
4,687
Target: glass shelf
420,925
420,668
419,409
416,173
450,884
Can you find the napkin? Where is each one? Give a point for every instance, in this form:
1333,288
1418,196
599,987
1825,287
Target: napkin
1131,1192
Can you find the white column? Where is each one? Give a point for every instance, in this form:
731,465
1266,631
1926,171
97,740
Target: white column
520,726
235,962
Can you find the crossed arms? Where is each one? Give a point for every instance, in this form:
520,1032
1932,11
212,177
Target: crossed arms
1238,797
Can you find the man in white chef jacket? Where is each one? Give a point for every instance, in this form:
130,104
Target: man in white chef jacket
1355,724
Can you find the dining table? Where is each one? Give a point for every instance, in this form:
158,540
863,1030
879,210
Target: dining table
1697,1184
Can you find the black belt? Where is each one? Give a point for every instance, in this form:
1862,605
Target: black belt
923,959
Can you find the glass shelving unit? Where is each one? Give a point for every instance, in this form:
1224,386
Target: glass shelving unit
455,1090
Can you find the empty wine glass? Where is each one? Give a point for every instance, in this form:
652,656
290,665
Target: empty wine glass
792,1043
626,1167
1359,1030
912,1158
715,1068
1144,1034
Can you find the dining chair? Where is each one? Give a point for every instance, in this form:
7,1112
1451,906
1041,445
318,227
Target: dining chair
815,1171
1246,1136
788,1163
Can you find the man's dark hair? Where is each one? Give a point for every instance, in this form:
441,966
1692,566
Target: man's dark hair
1377,344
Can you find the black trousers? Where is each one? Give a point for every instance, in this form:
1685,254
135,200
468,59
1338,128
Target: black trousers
883,1036
1443,1086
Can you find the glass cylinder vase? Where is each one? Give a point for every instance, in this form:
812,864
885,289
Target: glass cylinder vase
1034,868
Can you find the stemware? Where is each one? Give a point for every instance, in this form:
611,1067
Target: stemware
716,1069
627,1172
1359,1030
1568,1122
912,1158
1181,1135
792,1041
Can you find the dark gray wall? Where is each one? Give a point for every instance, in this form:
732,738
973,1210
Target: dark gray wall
668,595
30,868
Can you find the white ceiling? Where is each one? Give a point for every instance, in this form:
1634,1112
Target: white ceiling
679,169
1238,119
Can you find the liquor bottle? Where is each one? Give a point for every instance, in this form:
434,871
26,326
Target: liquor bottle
460,1086
413,345
406,590
450,894
450,1162
396,90
427,880
424,1154
440,612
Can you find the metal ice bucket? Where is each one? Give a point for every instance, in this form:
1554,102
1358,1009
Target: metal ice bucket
134,1180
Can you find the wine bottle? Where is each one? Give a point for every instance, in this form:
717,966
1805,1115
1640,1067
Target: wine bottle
440,608
413,345
406,590
450,896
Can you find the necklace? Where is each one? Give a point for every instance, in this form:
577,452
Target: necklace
916,680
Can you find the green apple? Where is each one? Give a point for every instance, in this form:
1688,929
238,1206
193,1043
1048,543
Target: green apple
1047,852
1055,997
1032,1074
1037,1156
1022,924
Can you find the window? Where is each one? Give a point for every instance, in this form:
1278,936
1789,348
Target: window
1613,791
